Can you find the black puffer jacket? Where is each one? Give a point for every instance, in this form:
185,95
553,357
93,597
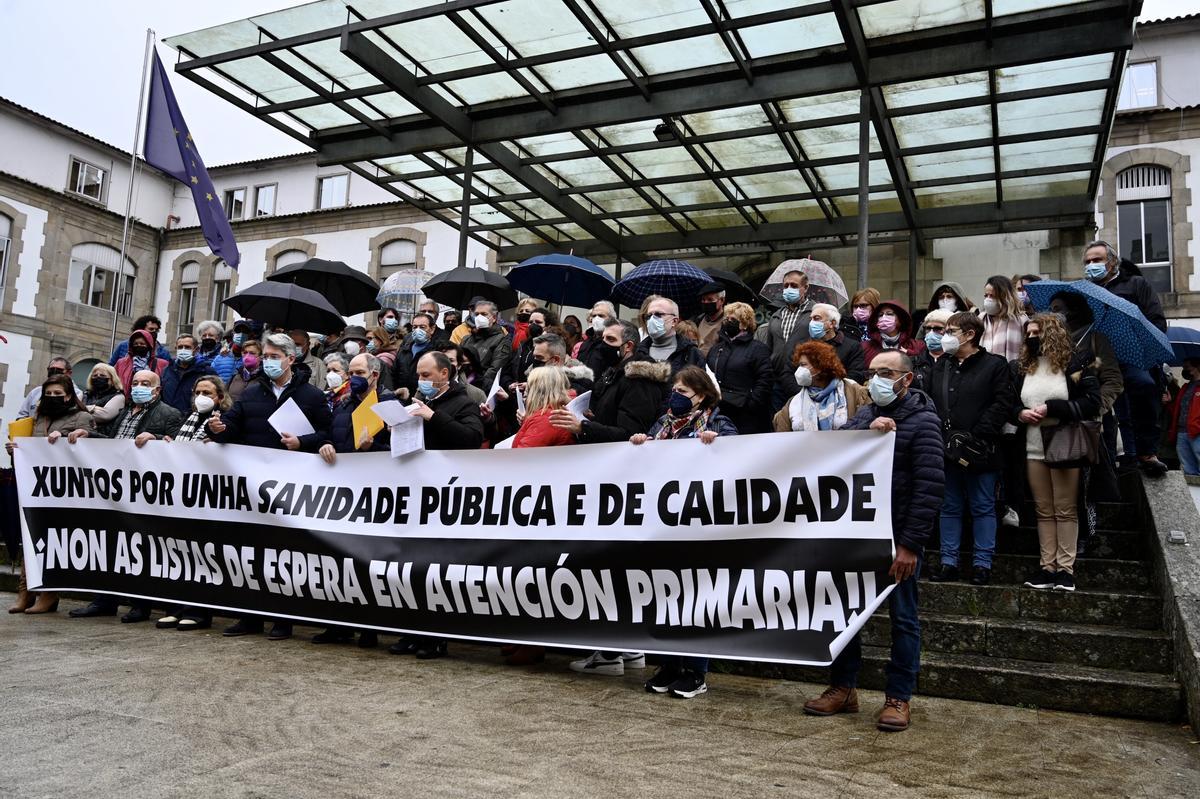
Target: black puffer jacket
404,368
246,422
626,400
492,349
974,396
743,368
686,354
341,426
456,423
918,467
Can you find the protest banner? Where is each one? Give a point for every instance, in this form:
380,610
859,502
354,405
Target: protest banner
770,547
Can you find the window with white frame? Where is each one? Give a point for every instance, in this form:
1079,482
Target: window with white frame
5,247
189,284
1139,89
222,283
264,200
86,179
289,257
235,203
398,261
1144,222
96,274
333,191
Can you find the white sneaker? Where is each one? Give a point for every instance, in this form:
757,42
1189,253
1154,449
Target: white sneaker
633,660
1011,518
596,663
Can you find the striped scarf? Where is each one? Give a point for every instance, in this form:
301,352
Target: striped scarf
194,427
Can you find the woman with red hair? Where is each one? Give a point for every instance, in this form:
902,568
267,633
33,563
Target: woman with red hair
827,399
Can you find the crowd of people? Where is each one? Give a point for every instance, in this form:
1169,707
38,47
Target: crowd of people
988,402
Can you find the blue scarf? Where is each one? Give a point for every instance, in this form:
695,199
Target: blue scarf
827,400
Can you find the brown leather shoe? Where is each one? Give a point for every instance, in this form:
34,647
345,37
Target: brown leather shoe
836,699
895,715
47,602
25,599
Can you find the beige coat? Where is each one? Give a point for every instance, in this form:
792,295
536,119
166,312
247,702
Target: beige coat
856,396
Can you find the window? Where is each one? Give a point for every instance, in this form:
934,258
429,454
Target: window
399,276
289,257
1139,89
222,283
189,282
264,200
5,246
86,180
93,278
333,191
1144,222
235,203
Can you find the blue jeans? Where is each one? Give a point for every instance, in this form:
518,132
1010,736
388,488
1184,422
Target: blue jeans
978,490
905,661
1188,450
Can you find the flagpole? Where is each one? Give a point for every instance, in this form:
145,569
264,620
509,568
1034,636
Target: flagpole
137,134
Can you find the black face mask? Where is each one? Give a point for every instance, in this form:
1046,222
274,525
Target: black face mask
731,328
53,406
608,354
100,384
535,330
141,351
709,308
523,317
208,344
572,328
1034,345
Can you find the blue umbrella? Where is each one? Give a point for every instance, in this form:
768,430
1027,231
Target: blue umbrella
677,280
564,279
1185,343
1135,341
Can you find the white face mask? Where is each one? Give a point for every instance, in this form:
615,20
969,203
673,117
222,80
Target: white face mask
204,404
948,304
803,376
950,344
482,322
598,324
352,348
990,306
333,380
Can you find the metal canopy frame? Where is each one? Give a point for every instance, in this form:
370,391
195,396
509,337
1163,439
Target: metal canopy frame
749,149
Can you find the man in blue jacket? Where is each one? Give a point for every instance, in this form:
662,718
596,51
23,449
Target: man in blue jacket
917,477
181,374
247,423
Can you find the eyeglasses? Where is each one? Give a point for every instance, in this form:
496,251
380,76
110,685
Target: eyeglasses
936,328
662,315
886,374
954,331
56,372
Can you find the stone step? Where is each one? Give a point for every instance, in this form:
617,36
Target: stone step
1099,573
1132,609
1048,642
1053,686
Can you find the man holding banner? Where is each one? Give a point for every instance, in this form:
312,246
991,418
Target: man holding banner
917,484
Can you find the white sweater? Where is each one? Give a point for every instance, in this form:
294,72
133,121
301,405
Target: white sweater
1040,386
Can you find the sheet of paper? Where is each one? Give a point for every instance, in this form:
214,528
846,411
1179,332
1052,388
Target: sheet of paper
21,428
491,397
391,412
713,377
580,404
506,443
364,418
520,401
288,418
408,437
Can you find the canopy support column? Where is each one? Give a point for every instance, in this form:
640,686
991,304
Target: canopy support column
864,184
464,219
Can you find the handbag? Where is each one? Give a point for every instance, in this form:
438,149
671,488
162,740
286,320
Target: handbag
1074,443
968,451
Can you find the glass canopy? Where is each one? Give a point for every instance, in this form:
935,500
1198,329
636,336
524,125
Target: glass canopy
617,127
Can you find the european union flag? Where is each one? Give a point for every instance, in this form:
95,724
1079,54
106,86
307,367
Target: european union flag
169,147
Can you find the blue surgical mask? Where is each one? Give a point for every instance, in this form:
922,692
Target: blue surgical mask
791,295
420,336
372,346
272,367
238,338
426,388
391,324
679,404
1095,271
184,355
656,327
883,392
141,395
933,340
358,385
816,330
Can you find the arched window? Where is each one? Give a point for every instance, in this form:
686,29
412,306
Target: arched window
1144,221
222,284
189,284
5,246
94,277
289,257
396,255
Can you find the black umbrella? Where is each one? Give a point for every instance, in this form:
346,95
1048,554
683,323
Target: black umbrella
736,289
457,287
348,290
288,306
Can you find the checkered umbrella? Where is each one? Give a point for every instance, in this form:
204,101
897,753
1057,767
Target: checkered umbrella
1134,340
677,280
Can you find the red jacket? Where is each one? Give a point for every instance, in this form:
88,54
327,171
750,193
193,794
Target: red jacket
124,366
1193,417
536,431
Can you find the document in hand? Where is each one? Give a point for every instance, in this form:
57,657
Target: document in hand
491,397
580,404
288,418
364,418
408,431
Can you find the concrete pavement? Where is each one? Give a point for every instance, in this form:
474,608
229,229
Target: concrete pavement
93,708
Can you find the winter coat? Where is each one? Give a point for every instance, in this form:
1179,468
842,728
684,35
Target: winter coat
536,431
1138,290
923,369
492,349
1193,417
918,465
124,366
404,368
856,397
974,396
964,302
744,372
341,426
588,352
686,354
771,334
316,370
158,418
581,378
626,399
874,343
1083,400
721,425
246,422
178,384
456,423
1092,346
237,386
226,365
75,420
123,349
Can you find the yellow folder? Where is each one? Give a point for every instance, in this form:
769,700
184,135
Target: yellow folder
22,428
366,419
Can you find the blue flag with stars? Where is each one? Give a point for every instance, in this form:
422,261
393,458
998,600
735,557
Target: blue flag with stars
170,148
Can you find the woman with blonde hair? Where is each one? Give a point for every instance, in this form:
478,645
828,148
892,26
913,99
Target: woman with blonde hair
546,389
1003,319
105,395
383,345
743,368
1057,389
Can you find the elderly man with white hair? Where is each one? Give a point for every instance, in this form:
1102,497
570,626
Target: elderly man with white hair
662,344
823,322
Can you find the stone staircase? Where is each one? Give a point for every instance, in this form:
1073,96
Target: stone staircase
1100,649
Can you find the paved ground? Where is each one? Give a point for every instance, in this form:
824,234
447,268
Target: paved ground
93,708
